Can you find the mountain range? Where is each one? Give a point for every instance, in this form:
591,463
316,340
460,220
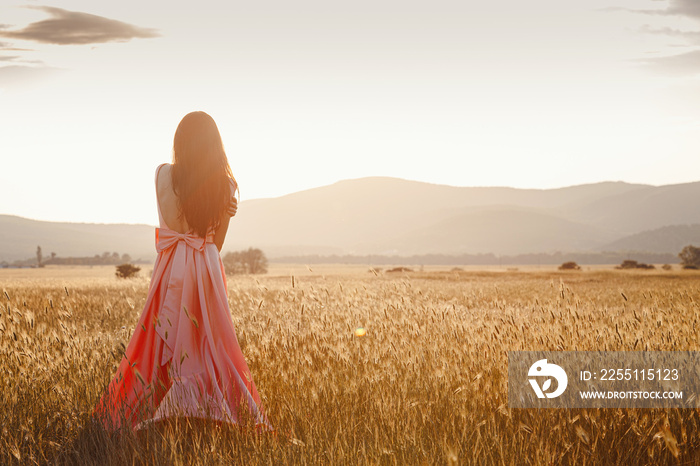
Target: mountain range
381,215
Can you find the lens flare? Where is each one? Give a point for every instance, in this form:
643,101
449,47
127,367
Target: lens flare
360,332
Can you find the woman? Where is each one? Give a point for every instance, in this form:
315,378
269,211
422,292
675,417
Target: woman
183,358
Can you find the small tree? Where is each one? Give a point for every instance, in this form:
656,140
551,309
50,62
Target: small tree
39,257
569,266
127,271
690,257
630,264
233,263
251,261
256,260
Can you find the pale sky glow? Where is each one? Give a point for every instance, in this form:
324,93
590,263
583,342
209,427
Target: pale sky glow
535,94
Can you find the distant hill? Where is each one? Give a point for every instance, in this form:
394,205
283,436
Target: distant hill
670,239
381,215
642,208
19,238
500,230
378,214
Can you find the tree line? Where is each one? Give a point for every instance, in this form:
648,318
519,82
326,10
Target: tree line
689,259
588,258
41,260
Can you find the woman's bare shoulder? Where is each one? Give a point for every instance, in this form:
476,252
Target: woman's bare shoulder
162,173
164,167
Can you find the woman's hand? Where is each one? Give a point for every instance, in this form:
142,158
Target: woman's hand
232,207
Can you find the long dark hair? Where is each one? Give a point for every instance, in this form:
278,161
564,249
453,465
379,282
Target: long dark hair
201,174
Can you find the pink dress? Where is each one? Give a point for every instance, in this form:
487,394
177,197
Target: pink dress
183,358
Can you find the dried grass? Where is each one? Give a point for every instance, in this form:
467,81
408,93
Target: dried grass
426,383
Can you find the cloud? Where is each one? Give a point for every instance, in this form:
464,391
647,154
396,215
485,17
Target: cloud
690,36
18,76
18,59
75,28
685,64
689,8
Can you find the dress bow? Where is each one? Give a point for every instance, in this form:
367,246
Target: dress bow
167,238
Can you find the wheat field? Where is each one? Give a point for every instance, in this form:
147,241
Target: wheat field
426,384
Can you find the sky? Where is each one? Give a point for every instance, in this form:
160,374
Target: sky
538,94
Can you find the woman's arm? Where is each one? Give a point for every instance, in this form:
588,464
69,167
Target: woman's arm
220,234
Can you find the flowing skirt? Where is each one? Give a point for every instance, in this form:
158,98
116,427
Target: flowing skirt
183,358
